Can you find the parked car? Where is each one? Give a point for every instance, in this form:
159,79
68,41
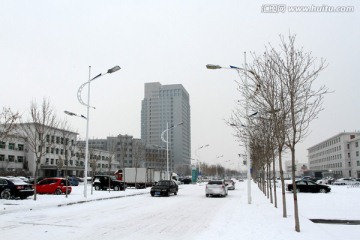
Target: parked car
308,178
230,184
326,180
345,181
308,186
104,182
53,186
73,181
15,188
164,188
216,188
185,180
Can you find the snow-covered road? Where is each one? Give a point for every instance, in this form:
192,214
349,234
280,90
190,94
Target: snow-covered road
189,215
133,217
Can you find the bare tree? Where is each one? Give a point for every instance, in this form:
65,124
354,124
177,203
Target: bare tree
299,71
8,121
39,130
138,155
281,86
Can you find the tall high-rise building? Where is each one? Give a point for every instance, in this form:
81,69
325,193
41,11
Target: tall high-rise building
163,107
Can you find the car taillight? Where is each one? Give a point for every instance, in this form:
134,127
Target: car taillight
19,187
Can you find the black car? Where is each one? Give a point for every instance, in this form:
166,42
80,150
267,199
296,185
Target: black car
104,182
185,180
164,188
309,186
12,188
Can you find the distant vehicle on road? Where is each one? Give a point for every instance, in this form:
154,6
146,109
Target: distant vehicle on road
104,182
73,181
308,186
345,181
15,188
230,184
216,188
185,180
164,188
55,186
326,180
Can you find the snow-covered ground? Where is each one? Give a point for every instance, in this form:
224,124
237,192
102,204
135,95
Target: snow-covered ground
134,214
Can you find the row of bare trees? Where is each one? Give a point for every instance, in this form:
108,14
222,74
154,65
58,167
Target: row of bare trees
40,124
279,87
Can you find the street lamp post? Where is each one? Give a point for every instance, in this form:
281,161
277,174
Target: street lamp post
167,145
248,166
87,104
207,145
217,176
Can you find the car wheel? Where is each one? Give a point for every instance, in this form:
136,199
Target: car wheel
152,194
207,195
97,187
167,194
57,191
6,194
116,188
175,193
322,190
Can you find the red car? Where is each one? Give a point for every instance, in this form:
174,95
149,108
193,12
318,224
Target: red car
53,186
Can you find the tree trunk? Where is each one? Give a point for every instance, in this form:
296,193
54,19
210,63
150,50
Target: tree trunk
36,177
282,184
269,183
274,181
296,210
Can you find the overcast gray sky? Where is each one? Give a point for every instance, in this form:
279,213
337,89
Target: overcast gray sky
46,48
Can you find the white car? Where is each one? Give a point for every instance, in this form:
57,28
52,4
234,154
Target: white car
230,184
345,181
216,188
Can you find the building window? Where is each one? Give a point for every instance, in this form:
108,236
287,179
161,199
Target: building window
348,155
2,157
2,145
21,147
20,159
11,158
47,161
12,146
357,153
52,139
47,138
356,144
52,150
57,140
52,161
57,151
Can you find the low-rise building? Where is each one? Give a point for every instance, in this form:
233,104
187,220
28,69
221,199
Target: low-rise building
338,155
58,152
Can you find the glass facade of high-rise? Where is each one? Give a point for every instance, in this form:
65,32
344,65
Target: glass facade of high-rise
163,107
